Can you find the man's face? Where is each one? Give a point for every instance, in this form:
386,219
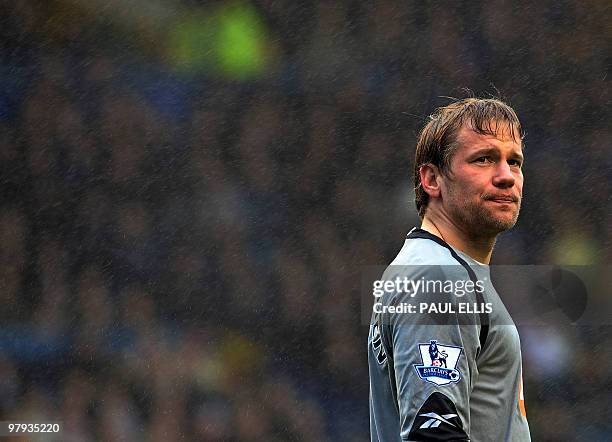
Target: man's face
482,191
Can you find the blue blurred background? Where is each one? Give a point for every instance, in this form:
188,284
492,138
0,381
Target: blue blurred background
191,188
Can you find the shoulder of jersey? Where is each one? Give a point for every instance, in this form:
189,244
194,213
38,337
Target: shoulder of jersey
421,251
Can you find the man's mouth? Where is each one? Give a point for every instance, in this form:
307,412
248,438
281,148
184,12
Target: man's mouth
501,199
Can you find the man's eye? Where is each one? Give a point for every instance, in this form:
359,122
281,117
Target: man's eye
482,160
515,163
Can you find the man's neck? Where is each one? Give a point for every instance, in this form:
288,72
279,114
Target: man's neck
479,249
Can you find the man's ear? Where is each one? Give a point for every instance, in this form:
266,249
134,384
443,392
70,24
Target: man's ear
430,179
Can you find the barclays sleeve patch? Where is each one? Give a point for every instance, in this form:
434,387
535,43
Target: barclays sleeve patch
439,363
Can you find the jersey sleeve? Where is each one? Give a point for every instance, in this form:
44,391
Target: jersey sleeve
433,357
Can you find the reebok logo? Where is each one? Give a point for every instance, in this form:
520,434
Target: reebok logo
436,420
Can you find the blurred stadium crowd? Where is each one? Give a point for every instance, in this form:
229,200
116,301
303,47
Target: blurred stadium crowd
181,251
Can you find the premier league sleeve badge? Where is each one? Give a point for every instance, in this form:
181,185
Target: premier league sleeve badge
439,363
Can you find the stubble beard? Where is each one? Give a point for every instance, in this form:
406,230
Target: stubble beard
478,220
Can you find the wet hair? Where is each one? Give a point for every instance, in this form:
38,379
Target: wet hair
438,139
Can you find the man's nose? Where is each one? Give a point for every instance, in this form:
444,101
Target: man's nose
503,176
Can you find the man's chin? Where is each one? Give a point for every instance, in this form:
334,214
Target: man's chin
502,226
491,223
499,224
482,221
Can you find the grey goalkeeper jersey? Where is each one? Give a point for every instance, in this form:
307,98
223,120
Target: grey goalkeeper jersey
449,367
